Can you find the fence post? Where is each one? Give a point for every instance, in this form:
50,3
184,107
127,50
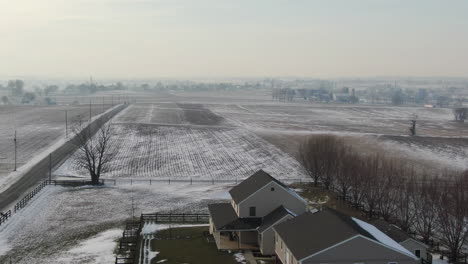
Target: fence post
150,181
131,181
212,181
169,181
190,181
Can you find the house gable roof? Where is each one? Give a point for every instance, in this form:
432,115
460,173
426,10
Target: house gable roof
273,217
254,183
390,230
311,233
394,232
225,218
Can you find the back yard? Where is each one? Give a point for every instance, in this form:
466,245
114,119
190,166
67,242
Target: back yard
187,245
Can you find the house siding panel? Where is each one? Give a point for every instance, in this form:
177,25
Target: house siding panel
412,246
267,245
266,201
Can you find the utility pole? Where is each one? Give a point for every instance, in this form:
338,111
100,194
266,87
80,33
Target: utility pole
133,210
50,167
15,148
89,110
66,124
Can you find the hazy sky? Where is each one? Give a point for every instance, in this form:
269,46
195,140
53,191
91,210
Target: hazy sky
220,38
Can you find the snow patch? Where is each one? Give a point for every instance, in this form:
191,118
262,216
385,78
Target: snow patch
240,258
382,238
4,247
152,228
97,249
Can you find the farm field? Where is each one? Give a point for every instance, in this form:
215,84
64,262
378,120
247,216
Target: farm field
37,128
191,142
363,119
177,136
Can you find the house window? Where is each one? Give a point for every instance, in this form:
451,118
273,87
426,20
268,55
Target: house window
272,189
417,253
252,211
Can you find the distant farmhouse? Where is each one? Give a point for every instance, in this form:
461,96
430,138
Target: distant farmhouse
266,215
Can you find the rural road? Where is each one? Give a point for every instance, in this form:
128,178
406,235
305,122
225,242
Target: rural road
40,171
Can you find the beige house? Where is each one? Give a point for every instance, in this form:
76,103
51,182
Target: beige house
414,246
258,204
330,237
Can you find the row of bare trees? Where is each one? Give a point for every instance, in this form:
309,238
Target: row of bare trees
432,206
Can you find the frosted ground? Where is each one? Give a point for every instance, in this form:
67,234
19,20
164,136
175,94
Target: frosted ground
231,137
222,136
81,225
38,128
183,141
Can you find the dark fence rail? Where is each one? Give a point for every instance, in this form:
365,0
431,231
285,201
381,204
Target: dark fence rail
4,216
23,202
73,183
175,218
189,180
129,244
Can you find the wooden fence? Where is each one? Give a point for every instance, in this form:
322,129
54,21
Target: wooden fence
4,216
189,180
130,244
175,218
23,202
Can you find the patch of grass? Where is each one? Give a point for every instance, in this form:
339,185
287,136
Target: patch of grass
187,246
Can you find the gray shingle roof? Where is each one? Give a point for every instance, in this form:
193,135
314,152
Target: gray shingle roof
390,230
309,233
274,217
251,185
225,218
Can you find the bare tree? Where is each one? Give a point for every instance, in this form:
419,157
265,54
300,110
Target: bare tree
405,201
425,205
452,214
389,186
94,149
320,156
372,178
460,114
348,170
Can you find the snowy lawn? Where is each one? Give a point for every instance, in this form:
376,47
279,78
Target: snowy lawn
64,224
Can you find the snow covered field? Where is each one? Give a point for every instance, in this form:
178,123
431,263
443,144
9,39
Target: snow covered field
181,137
38,128
147,149
293,117
80,225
